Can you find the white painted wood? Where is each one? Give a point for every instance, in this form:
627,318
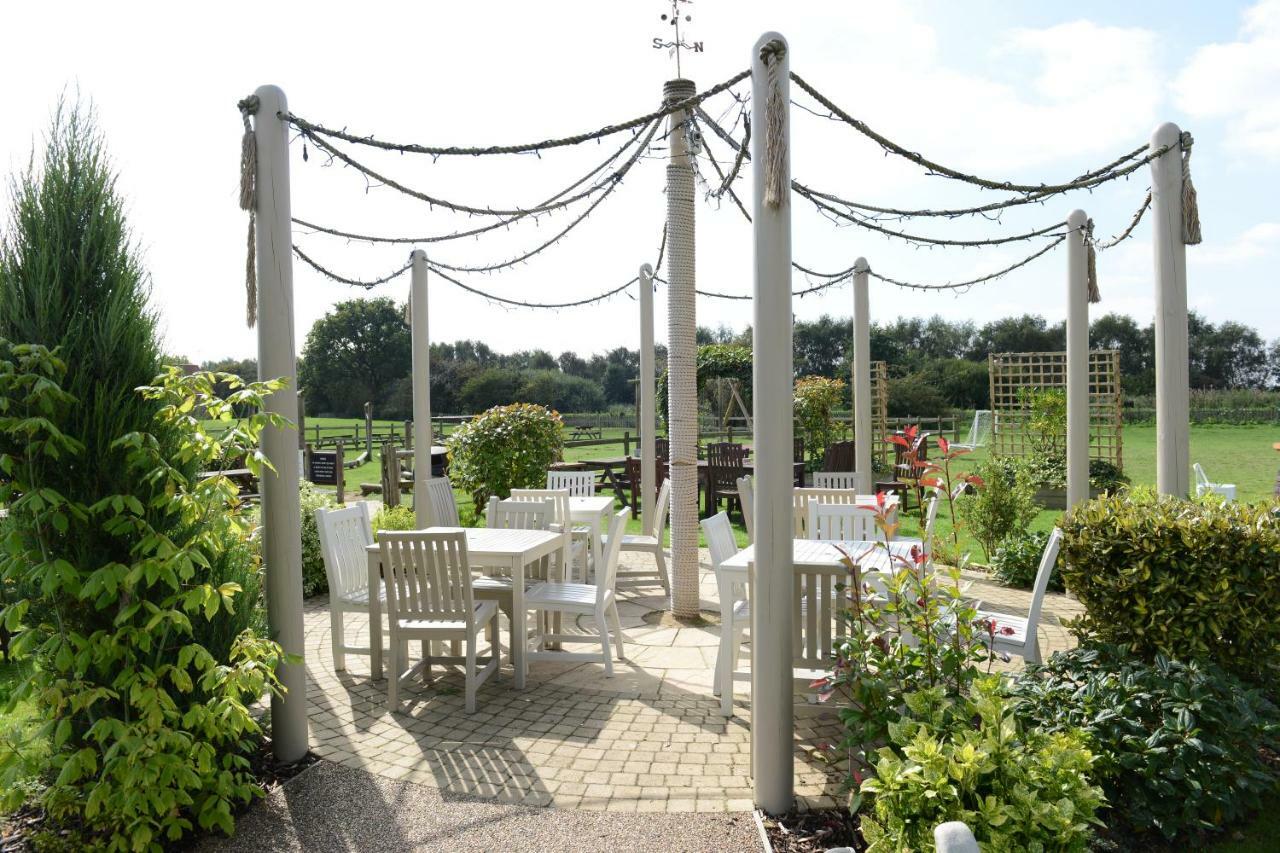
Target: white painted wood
648,425
579,483
856,480
579,540
772,715
344,535
802,497
651,541
1173,402
735,612
1014,634
747,497
862,438
421,379
444,506
1077,359
1206,487
838,522
281,514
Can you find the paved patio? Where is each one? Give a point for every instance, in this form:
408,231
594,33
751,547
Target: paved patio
650,739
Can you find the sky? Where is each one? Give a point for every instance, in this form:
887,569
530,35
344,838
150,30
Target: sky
1023,92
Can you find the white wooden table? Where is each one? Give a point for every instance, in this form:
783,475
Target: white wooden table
818,554
508,550
593,511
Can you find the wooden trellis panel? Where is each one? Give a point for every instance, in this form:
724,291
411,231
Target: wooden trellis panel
879,408
1013,373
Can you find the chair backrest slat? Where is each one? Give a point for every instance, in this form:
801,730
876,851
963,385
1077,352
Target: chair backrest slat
837,522
444,507
719,535
661,510
344,535
520,514
747,496
558,497
802,497
581,484
428,575
1202,478
726,462
842,480
608,581
1047,561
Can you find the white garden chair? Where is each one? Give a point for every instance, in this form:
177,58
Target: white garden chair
841,522
581,484
596,600
859,483
580,534
444,506
1016,635
747,496
735,612
651,542
429,598
1204,486
344,536
801,498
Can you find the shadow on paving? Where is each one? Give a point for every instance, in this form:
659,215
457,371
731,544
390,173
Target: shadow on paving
334,808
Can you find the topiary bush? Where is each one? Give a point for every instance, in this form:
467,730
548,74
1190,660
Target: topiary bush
505,448
314,579
1016,562
1188,580
1178,744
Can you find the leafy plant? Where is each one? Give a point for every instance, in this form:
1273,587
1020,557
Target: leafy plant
1005,505
1017,560
816,397
1177,743
1047,420
931,475
1050,471
314,579
505,448
395,518
1189,580
969,759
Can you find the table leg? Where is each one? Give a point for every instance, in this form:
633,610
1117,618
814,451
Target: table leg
519,621
597,549
375,617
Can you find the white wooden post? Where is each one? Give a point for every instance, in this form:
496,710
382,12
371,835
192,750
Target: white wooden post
1077,359
1173,405
421,367
281,515
772,373
862,438
682,354
648,416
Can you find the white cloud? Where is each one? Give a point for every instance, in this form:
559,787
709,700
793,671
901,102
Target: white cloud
1254,242
1240,81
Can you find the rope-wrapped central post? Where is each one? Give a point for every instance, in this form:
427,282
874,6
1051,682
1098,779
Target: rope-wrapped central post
682,356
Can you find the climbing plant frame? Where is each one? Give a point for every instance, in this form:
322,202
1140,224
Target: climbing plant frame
1014,374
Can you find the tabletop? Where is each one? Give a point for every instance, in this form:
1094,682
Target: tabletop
815,553
596,504
497,542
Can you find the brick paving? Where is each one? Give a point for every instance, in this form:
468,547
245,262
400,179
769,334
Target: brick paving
650,739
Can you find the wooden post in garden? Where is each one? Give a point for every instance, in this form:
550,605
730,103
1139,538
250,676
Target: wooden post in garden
861,388
1077,359
368,431
773,572
682,352
1173,404
281,514
648,423
302,422
421,361
340,472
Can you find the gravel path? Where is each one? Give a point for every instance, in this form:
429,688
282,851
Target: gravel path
334,808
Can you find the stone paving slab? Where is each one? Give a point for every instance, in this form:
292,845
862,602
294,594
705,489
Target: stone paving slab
649,739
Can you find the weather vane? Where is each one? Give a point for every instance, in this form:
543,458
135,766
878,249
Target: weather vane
675,46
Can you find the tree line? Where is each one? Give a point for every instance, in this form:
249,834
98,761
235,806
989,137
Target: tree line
360,351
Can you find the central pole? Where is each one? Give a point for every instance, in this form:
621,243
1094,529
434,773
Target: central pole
682,357
772,574
648,417
1173,404
281,517
862,438
1077,359
420,342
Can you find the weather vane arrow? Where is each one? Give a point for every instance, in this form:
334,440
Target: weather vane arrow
674,47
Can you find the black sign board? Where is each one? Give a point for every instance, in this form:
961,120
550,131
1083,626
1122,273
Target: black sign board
324,468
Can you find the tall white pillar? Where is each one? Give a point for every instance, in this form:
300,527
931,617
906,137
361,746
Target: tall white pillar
421,378
1173,406
682,355
862,437
281,518
1077,359
773,379
648,416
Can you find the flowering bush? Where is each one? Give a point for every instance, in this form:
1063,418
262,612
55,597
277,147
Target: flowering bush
505,448
932,475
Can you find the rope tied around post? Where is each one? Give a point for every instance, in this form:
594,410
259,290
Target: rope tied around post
776,189
1095,296
1190,208
249,202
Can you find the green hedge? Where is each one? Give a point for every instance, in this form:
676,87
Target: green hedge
1190,580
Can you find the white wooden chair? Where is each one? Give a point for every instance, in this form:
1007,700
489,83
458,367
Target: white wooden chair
344,536
1204,486
429,598
651,542
581,484
596,600
580,535
444,507
841,522
747,495
859,483
735,611
802,497
1016,635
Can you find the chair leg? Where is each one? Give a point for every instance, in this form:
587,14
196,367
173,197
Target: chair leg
471,674
602,624
660,557
724,655
393,677
336,636
617,624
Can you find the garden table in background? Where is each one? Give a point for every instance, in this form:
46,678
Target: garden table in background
593,511
487,549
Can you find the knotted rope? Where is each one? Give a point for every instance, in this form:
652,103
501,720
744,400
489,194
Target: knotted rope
776,183
249,202
1190,209
1095,296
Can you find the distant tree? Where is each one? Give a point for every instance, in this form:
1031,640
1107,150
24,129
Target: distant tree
1273,363
1028,333
622,367
493,386
354,353
572,364
821,346
557,391
1230,355
914,395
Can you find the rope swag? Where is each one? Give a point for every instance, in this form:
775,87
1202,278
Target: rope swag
249,202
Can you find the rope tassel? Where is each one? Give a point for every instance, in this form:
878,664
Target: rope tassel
775,141
1095,296
249,202
1190,208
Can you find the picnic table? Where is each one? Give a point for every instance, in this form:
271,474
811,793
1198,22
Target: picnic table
584,432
